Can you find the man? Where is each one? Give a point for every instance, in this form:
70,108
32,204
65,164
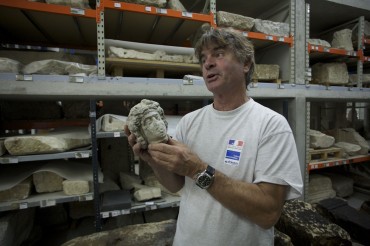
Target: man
235,160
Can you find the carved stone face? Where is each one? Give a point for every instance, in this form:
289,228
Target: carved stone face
146,120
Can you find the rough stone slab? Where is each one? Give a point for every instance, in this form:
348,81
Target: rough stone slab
59,67
330,73
357,224
266,71
319,188
305,226
176,5
155,3
111,123
149,234
17,192
51,142
239,22
342,39
75,187
342,185
319,140
47,182
320,42
271,27
16,226
82,4
147,193
349,149
350,135
9,65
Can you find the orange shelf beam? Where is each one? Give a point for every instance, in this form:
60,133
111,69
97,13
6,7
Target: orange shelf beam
322,49
158,11
48,8
267,37
337,162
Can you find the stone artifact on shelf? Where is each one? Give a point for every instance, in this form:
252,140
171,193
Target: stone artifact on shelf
342,39
319,188
175,5
82,4
271,27
342,185
155,233
111,123
335,73
46,181
155,3
147,121
20,191
9,65
319,140
266,72
141,192
50,142
239,22
350,135
75,187
57,67
349,148
306,227
158,55
365,78
320,42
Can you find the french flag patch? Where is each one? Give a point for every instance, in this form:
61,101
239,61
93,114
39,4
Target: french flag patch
233,152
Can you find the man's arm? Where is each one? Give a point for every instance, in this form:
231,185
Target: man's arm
260,203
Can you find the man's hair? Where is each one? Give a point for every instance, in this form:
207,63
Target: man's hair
232,40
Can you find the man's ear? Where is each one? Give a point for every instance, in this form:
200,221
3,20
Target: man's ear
246,67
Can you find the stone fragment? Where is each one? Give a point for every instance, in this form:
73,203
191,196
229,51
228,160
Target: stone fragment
349,149
17,192
45,181
16,226
9,65
239,22
149,234
176,5
147,193
319,188
112,123
330,73
155,3
59,67
271,27
305,226
82,4
319,140
350,135
319,42
50,142
75,187
342,185
342,39
266,72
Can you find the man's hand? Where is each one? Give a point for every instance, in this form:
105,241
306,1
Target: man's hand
175,157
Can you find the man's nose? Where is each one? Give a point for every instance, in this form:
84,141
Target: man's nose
209,62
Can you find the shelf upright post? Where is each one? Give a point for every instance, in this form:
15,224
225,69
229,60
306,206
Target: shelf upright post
292,11
308,74
100,38
212,7
360,47
306,176
95,166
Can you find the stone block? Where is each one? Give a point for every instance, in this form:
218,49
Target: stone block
10,66
266,72
271,27
147,193
17,192
319,188
45,181
350,135
342,39
319,140
320,42
75,187
342,185
349,149
112,123
82,4
239,22
330,73
306,227
160,233
50,142
176,5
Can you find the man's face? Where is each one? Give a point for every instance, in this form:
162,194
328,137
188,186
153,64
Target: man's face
222,72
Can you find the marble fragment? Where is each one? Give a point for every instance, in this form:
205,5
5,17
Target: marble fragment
342,39
45,181
330,73
271,27
239,22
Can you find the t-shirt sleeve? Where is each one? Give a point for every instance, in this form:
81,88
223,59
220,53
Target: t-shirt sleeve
277,158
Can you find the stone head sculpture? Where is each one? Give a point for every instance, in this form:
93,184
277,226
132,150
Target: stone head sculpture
146,120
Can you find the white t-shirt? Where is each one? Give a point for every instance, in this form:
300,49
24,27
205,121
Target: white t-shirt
251,143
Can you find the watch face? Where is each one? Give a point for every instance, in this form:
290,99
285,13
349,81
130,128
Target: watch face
204,180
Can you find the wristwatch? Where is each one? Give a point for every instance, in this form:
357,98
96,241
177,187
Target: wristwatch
205,179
